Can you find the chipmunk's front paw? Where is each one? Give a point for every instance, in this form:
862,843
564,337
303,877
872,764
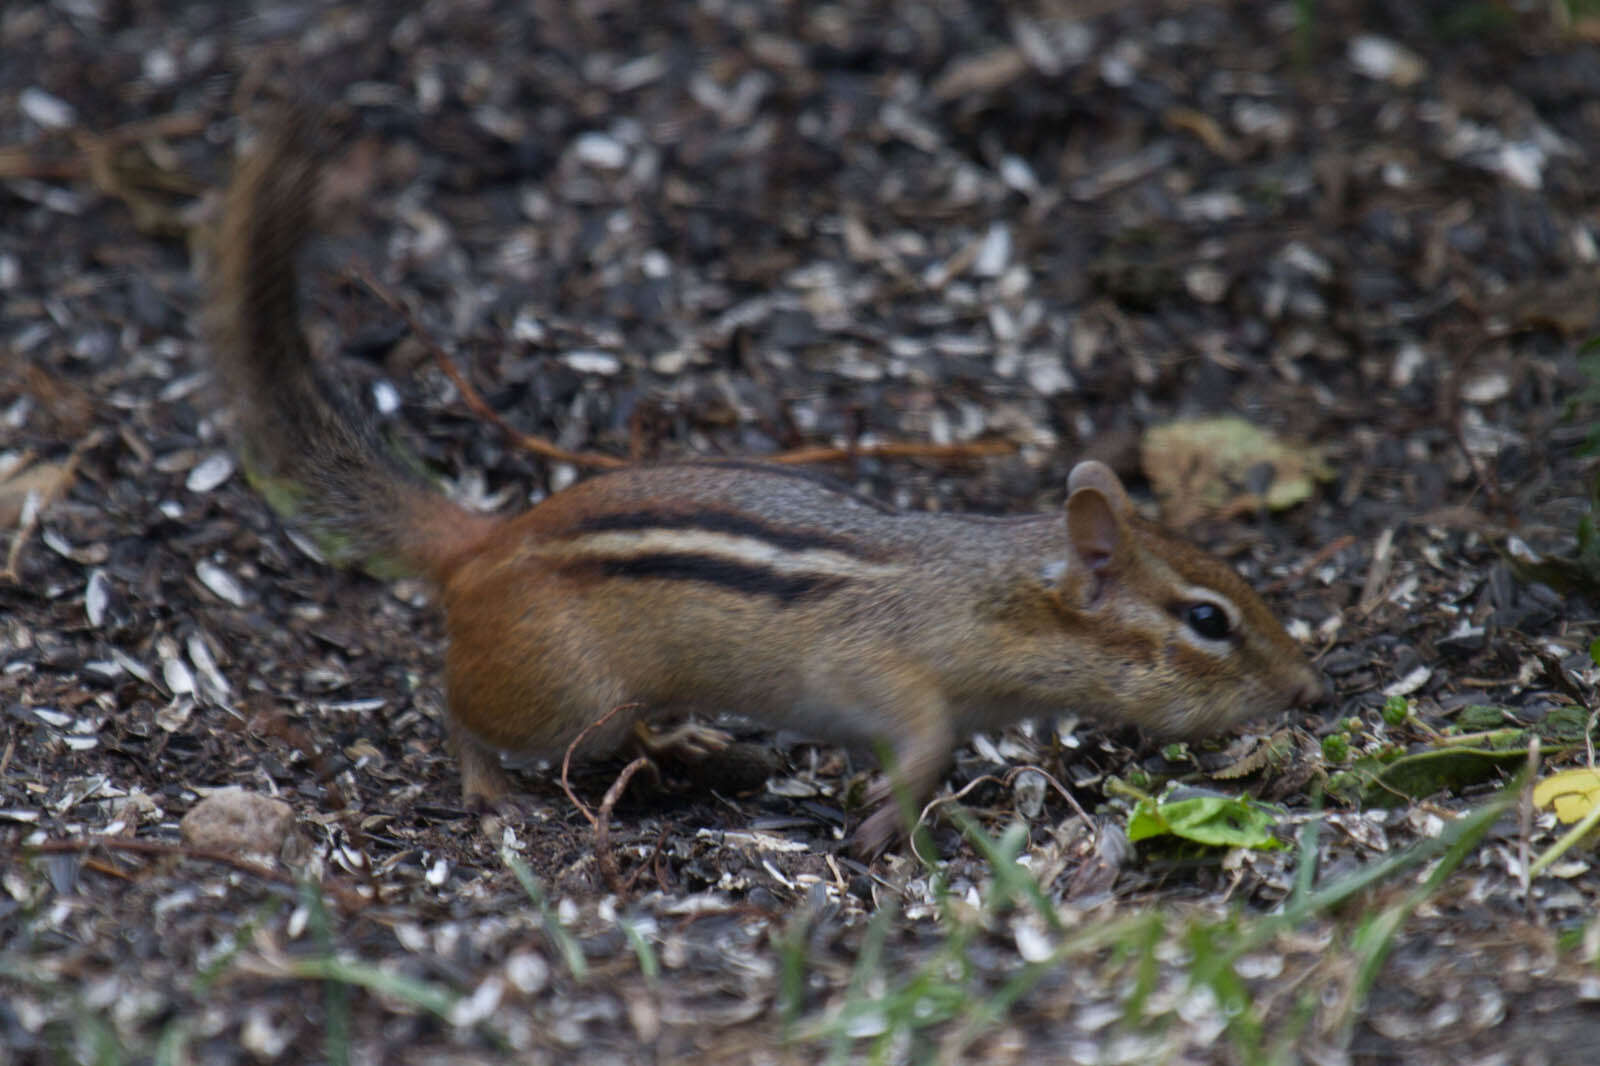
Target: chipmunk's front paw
685,742
708,757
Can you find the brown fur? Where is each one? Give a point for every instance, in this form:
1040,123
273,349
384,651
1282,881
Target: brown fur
736,587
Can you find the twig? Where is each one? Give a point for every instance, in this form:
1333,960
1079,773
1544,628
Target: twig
539,446
108,869
1320,556
839,882
21,162
976,449
602,826
601,823
18,162
346,899
113,177
566,759
1006,780
469,395
649,860
172,124
1083,815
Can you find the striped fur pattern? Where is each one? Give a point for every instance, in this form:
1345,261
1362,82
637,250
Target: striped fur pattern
731,586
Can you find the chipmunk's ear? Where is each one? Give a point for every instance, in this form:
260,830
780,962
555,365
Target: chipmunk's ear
1097,514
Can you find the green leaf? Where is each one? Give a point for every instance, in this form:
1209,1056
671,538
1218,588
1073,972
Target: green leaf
1569,723
1478,717
1482,725
1418,775
1206,818
435,998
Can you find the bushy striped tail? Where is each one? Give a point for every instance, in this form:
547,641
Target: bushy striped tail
310,447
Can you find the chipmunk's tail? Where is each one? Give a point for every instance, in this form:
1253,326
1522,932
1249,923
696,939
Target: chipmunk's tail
307,444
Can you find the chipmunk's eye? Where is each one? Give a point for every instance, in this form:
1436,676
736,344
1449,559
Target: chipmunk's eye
1207,619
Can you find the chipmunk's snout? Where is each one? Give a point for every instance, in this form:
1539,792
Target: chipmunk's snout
1310,689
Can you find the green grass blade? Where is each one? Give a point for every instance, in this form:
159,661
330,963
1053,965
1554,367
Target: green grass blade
565,943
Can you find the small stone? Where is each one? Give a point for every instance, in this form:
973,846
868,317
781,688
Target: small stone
239,822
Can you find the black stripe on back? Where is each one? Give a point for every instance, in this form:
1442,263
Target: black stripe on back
741,578
728,522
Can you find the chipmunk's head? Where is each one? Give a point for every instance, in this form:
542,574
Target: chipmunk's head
1142,627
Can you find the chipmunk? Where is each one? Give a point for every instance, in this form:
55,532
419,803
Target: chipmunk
712,586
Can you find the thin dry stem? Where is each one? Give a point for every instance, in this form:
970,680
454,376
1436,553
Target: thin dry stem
469,395
566,760
603,853
475,402
976,449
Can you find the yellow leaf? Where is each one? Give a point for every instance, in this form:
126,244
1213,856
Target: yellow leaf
1572,793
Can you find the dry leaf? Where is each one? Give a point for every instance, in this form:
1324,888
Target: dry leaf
26,492
1225,466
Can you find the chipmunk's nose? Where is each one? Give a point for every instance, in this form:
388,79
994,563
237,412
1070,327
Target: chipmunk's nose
1311,689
